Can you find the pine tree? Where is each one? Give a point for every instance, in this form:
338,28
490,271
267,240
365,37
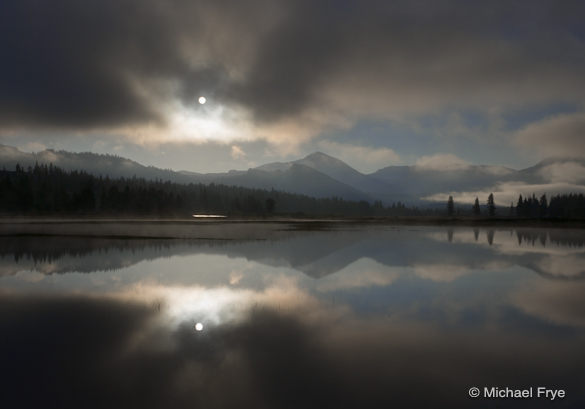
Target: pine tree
543,206
450,206
491,205
520,207
476,209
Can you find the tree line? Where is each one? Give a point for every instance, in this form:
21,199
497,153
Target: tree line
49,190
560,206
566,206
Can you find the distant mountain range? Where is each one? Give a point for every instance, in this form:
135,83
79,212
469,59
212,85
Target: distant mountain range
318,175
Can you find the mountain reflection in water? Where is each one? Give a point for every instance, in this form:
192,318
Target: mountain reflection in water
353,317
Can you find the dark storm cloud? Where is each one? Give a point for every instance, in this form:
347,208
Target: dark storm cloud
79,63
109,63
416,53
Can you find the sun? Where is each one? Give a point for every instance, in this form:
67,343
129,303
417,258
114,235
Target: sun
202,100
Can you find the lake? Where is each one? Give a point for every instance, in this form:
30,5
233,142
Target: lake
288,315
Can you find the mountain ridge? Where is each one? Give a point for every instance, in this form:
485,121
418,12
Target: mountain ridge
317,175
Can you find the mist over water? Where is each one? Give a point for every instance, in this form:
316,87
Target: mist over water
351,316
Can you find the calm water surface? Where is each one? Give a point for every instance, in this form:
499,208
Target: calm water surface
352,317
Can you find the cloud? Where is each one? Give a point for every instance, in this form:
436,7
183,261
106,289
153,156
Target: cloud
507,192
561,135
569,172
388,61
286,70
237,152
441,162
34,147
117,63
366,158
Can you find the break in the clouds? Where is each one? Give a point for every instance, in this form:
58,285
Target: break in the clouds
287,71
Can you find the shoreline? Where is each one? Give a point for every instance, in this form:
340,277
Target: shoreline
420,220
240,228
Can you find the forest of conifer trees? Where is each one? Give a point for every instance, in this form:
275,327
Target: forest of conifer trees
567,206
49,190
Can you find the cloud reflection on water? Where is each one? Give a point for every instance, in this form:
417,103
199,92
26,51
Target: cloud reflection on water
364,318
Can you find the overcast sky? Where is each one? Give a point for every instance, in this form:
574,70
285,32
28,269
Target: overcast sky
374,83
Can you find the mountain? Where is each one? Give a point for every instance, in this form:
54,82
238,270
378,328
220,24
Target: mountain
96,164
321,175
414,181
338,170
292,178
565,170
